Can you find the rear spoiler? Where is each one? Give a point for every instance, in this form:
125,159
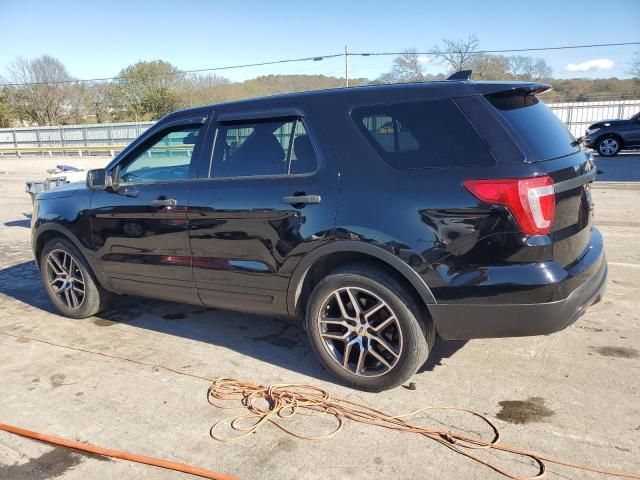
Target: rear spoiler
511,88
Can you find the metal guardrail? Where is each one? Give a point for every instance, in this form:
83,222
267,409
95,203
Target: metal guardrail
70,139
78,149
110,138
577,116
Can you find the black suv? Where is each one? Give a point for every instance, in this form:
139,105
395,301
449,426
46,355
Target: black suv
608,137
381,215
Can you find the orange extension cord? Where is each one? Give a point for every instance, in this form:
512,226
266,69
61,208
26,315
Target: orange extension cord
132,457
274,404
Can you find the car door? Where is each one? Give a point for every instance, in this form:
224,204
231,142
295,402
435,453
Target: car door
139,225
632,135
269,195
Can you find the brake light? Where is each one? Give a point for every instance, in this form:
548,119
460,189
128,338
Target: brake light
531,201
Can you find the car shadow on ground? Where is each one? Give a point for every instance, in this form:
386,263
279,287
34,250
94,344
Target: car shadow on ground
26,223
276,341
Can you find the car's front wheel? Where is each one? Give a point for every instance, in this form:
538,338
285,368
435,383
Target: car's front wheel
609,146
69,282
367,329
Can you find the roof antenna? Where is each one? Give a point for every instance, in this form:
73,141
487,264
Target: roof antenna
461,75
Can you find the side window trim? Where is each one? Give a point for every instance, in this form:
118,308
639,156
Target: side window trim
296,112
151,136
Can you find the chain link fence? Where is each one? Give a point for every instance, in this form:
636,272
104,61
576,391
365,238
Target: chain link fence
110,138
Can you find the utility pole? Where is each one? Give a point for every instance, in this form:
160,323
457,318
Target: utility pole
346,66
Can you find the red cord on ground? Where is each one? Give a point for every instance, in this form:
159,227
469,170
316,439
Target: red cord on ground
131,457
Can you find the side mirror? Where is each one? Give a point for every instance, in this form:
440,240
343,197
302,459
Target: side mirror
99,179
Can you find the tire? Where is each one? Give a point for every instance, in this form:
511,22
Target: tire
58,257
404,326
609,146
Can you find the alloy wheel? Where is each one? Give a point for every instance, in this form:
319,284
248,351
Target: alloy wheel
65,278
360,331
608,146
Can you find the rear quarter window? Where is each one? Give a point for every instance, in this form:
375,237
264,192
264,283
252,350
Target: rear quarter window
536,127
428,134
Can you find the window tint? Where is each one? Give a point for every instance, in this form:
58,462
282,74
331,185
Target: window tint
266,147
167,159
536,125
422,134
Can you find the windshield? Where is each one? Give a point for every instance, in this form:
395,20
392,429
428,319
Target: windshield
543,133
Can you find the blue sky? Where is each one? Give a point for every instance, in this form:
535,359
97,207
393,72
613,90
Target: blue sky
98,38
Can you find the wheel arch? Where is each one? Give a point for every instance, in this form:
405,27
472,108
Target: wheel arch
329,257
49,231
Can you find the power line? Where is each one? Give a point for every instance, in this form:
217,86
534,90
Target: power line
199,70
324,57
510,50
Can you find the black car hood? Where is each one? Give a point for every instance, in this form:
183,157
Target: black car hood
608,123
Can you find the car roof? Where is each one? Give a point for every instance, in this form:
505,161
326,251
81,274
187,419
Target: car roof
440,89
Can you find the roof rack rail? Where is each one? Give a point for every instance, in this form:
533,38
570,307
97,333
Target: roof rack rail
461,75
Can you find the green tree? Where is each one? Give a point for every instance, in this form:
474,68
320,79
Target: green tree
197,90
148,90
6,113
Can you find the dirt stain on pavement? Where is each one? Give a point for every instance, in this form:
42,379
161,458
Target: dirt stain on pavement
620,352
57,380
524,411
103,322
52,464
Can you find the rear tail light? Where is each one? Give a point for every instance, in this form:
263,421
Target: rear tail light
531,201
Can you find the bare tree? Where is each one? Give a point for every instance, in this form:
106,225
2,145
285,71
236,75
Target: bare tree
408,67
457,54
634,70
40,97
528,68
490,67
76,105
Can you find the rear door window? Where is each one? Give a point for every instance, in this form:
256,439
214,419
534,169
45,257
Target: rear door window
537,127
425,134
274,146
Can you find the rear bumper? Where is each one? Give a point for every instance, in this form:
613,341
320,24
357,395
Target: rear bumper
465,321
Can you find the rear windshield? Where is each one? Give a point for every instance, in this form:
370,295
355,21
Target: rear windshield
544,135
424,134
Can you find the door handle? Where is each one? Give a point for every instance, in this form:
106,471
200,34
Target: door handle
301,199
166,202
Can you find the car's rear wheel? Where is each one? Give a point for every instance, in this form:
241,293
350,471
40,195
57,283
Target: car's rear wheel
69,281
609,146
367,329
